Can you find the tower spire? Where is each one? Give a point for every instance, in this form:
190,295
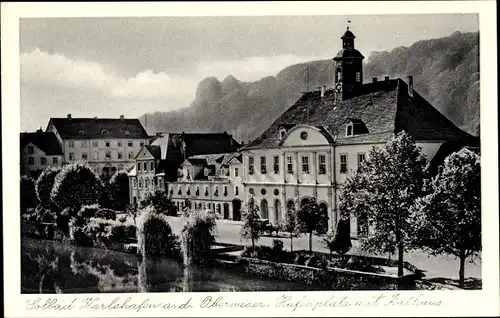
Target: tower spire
348,23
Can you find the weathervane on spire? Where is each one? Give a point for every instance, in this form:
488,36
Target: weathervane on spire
348,23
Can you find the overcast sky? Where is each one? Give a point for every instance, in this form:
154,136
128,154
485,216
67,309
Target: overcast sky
110,66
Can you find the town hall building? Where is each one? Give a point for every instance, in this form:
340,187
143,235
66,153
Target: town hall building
310,149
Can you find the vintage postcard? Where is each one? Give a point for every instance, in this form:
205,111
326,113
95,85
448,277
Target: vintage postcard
250,159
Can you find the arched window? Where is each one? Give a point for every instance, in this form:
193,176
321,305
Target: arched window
140,183
277,210
323,209
304,201
263,209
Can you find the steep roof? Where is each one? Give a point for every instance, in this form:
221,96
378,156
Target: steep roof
154,150
45,141
384,107
214,144
97,128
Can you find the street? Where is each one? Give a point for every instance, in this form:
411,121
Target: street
434,266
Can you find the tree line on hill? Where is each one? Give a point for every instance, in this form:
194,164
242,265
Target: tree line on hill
445,71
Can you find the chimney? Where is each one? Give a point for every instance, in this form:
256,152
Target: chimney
323,91
39,130
159,134
95,117
387,78
374,79
69,116
122,117
410,86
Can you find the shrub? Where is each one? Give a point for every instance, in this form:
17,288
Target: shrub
363,265
28,194
99,232
341,242
274,253
161,203
92,232
44,185
318,261
197,237
107,214
118,189
89,211
154,235
121,233
122,218
76,185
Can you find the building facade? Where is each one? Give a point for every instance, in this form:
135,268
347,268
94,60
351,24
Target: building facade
39,150
310,150
210,182
107,144
161,164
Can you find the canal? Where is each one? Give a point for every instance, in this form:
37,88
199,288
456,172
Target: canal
53,267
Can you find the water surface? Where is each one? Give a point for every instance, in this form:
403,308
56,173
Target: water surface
52,267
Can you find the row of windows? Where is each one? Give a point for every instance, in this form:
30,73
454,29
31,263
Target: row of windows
206,190
343,161
289,161
199,205
95,155
43,161
107,143
143,166
147,183
305,164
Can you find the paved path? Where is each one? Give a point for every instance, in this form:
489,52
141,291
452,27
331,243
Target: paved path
439,266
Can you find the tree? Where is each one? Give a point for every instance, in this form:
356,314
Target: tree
382,194
310,219
339,242
251,229
76,185
160,201
449,217
132,210
119,190
44,185
291,224
28,193
155,236
197,237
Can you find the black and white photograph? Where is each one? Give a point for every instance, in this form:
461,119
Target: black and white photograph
251,153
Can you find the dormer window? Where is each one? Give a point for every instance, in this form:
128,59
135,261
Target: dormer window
127,132
104,132
81,132
355,127
348,129
282,133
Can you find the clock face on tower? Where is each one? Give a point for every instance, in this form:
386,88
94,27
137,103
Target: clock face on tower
338,87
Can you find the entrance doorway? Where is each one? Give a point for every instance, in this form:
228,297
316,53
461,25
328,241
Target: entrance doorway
236,209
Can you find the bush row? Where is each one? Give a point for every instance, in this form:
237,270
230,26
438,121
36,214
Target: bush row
330,279
310,259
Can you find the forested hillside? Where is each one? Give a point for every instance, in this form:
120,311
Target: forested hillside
445,70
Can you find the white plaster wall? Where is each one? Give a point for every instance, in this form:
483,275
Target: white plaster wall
37,155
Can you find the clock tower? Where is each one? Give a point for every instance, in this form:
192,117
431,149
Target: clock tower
348,67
